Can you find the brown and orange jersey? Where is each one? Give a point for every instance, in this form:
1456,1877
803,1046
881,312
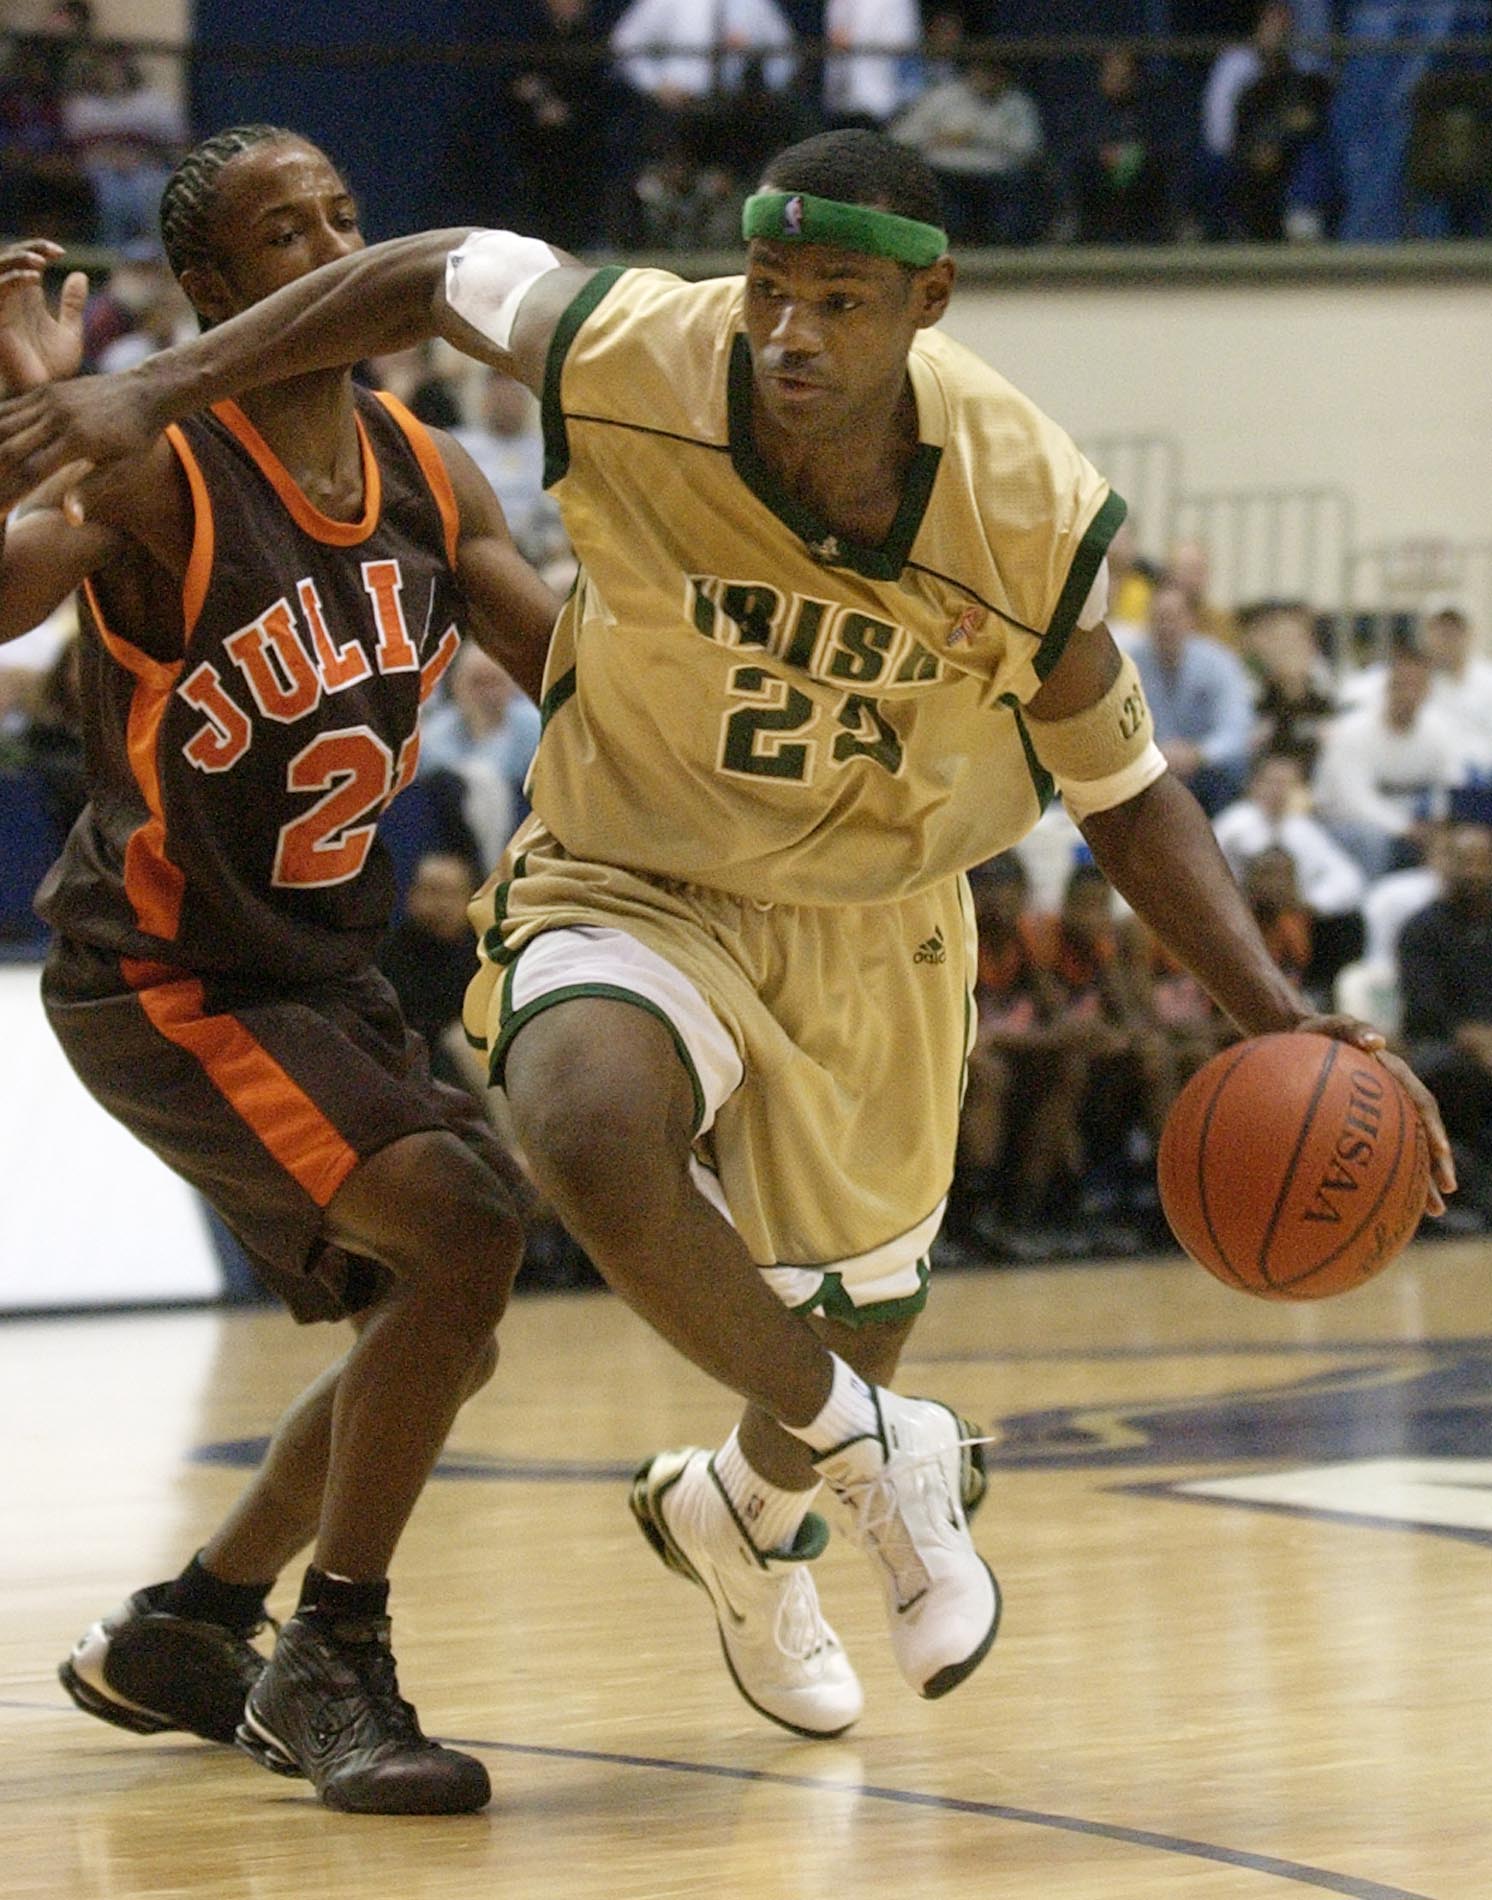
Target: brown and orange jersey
236,784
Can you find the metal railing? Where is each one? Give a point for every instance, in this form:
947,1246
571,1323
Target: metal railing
1295,544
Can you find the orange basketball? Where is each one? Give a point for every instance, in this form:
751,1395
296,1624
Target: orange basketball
1293,1167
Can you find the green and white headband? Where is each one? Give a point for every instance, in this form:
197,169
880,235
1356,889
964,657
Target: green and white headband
794,217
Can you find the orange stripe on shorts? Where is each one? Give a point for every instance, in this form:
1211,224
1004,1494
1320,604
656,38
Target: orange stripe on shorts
246,1075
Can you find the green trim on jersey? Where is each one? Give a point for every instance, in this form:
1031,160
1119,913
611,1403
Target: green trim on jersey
1080,577
884,563
1041,779
562,689
512,1020
834,1303
492,936
556,437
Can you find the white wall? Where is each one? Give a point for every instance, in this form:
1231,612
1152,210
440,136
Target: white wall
1381,389
112,19
87,1216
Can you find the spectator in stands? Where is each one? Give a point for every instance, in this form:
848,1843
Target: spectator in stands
1019,1104
429,958
678,51
1384,770
126,135
680,201
165,318
1118,1074
485,730
1172,999
1237,68
559,106
1120,165
712,73
1200,697
436,403
1281,173
506,444
981,134
42,189
1394,898
1445,982
942,51
1460,681
1131,583
1190,566
51,739
1296,694
1275,815
65,36
868,71
1269,884
118,303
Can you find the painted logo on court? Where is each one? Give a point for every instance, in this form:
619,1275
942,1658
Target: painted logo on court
1391,1440
1423,1404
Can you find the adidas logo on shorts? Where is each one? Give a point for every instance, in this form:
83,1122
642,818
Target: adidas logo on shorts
932,951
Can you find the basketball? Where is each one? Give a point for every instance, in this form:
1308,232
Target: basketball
1293,1167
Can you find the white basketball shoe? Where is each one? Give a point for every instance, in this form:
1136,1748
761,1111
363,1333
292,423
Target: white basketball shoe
904,1489
782,1655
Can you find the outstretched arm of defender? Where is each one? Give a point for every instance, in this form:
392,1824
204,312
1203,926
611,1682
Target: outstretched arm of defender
381,299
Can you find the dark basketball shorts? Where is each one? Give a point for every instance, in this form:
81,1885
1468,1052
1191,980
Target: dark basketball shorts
264,1100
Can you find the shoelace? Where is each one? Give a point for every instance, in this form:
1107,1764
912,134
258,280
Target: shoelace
247,1660
377,1674
875,1506
799,1630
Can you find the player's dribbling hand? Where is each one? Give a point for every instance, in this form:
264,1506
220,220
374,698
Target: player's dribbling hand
1374,1043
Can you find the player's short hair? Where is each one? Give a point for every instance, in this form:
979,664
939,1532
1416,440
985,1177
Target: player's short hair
191,191
859,168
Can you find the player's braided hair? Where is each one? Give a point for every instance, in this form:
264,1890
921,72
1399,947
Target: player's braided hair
191,191
860,168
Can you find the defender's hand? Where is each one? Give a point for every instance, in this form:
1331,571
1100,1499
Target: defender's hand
35,346
94,421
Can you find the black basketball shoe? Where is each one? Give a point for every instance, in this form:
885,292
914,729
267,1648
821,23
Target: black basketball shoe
328,1707
147,1670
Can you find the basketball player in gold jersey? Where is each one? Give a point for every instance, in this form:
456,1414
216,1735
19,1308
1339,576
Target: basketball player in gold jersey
838,634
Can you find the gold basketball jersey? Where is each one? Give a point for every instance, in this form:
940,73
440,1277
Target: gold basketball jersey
739,698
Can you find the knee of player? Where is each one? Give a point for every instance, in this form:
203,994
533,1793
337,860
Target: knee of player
459,1230
589,1152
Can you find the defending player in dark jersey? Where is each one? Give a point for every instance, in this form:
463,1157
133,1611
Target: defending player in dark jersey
270,591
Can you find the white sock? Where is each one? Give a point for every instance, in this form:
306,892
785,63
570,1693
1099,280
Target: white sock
849,1412
770,1514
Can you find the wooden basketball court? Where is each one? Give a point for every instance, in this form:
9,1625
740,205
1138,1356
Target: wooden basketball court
1247,1649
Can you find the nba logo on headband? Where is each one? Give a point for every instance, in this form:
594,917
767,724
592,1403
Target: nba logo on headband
792,217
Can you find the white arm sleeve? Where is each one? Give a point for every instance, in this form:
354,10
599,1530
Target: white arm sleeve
490,275
1096,605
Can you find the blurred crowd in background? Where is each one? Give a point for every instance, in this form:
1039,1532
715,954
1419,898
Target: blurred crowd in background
1353,801
643,123
1350,790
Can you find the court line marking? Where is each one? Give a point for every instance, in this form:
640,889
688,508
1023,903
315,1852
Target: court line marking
1213,1349
1174,1491
1321,1878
